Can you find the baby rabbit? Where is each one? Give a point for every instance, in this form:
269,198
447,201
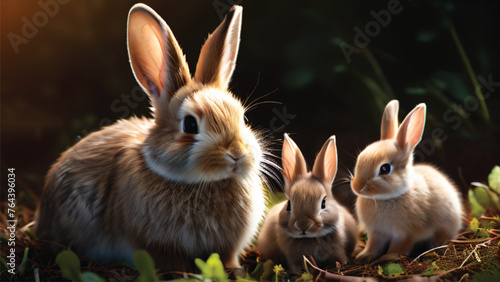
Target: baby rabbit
182,185
310,222
400,204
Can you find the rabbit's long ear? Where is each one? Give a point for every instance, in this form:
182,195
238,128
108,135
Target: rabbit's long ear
294,164
156,58
411,129
325,165
390,121
218,55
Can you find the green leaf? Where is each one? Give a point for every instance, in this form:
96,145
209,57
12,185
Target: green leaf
431,270
482,197
258,271
145,265
380,270
88,276
495,201
202,266
22,266
476,209
494,179
453,82
212,269
474,225
70,265
490,224
483,234
416,90
393,269
215,263
268,271
306,277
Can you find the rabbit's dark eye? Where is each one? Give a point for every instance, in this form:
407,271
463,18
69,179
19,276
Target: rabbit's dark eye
190,125
323,203
289,206
385,169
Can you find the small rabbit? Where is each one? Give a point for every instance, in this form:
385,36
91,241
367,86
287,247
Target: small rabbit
182,185
400,204
310,222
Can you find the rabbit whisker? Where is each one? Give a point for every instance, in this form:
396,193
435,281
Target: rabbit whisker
273,175
253,90
253,103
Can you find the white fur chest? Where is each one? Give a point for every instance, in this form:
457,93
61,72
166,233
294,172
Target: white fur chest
398,217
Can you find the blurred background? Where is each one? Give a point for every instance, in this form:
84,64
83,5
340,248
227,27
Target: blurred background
326,67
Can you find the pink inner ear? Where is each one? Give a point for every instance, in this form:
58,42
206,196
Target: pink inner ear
415,131
331,165
412,128
293,162
325,165
154,61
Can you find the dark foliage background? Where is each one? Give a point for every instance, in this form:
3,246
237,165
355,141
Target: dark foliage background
68,79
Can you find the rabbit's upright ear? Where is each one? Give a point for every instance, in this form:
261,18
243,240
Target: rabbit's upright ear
156,58
411,129
325,165
294,164
218,55
390,121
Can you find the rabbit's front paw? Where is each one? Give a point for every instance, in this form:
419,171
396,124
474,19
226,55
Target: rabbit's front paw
366,255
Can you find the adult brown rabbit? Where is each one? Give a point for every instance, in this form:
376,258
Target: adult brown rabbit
311,222
400,204
182,185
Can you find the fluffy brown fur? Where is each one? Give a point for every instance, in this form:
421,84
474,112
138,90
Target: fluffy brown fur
411,203
147,184
302,226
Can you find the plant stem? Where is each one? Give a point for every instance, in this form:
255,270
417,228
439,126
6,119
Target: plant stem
470,71
381,97
379,72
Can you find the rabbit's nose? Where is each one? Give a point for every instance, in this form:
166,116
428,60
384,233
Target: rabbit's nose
303,225
235,155
236,150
